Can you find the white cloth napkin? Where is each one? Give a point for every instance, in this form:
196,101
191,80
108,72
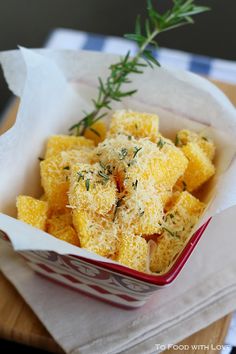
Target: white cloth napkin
204,292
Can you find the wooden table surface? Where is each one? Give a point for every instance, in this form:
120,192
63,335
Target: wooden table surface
18,322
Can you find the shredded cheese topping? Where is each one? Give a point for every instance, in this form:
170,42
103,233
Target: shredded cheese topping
127,196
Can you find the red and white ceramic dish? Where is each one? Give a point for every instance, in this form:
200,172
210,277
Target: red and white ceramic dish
109,282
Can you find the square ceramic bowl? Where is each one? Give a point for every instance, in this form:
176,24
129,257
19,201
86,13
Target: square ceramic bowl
183,100
113,283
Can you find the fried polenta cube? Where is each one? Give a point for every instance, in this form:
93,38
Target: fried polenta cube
173,197
165,164
200,168
58,143
164,252
186,202
165,196
32,211
142,160
170,167
55,172
183,214
97,234
60,226
92,188
141,212
140,125
123,153
118,153
133,252
97,132
180,185
185,136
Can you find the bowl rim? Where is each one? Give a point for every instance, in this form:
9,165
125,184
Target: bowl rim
152,279
158,280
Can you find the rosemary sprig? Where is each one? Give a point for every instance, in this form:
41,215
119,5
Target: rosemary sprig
136,150
110,89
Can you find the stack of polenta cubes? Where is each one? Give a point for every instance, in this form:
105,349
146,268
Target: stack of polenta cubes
126,194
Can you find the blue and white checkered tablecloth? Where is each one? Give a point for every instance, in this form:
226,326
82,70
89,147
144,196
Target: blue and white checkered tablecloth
217,69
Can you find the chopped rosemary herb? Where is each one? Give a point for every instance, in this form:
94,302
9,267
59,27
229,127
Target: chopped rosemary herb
173,234
102,165
161,143
141,212
80,176
109,169
123,153
87,184
66,168
103,175
129,137
41,159
204,138
135,184
136,126
136,150
171,216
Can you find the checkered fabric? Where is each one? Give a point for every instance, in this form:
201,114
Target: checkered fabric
217,69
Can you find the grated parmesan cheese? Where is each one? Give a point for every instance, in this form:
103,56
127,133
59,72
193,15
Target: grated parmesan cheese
96,233
129,198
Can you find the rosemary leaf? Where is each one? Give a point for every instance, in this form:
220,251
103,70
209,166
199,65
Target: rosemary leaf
103,175
87,184
160,143
136,150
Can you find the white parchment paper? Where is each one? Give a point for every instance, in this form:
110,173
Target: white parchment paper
57,86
